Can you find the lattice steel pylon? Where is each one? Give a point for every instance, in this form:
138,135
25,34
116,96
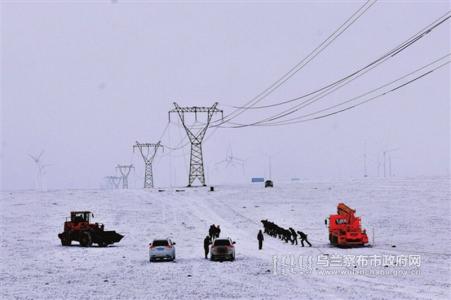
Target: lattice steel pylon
196,169
125,171
113,181
148,156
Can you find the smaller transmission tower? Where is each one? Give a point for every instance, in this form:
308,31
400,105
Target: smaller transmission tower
113,181
148,152
196,168
125,171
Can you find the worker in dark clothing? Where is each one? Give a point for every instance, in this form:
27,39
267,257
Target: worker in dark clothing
212,232
218,231
294,236
260,239
265,225
303,238
207,243
286,235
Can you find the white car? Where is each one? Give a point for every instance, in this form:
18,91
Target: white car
162,249
222,249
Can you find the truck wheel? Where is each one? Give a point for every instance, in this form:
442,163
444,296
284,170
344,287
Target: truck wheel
65,240
85,239
335,240
102,244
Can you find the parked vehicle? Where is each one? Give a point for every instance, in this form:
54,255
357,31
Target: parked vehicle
79,229
269,184
223,249
345,229
162,249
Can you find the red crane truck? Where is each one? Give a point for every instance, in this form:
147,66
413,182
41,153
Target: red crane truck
345,228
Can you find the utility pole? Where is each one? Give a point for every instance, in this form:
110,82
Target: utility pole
389,161
125,171
148,152
270,156
269,163
385,163
389,165
378,164
196,169
365,172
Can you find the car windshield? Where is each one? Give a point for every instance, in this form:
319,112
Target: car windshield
160,243
222,243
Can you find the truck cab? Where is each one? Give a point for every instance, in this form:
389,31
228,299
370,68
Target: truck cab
80,216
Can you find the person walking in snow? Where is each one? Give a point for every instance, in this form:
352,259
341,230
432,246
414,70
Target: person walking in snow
294,236
303,238
260,239
207,243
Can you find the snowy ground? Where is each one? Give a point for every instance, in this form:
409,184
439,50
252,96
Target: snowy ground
412,214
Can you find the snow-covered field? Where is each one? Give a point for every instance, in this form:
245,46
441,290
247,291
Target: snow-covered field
411,214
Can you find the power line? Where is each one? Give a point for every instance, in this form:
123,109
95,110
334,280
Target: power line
177,146
292,121
325,90
331,38
386,56
363,102
339,31
333,87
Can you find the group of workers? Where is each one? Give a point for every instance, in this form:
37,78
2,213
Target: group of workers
287,235
270,228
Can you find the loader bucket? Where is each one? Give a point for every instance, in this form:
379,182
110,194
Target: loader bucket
110,237
113,236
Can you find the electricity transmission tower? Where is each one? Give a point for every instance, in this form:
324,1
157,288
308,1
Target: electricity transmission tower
113,181
125,171
148,152
196,168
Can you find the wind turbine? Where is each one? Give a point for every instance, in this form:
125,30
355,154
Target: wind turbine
37,159
231,160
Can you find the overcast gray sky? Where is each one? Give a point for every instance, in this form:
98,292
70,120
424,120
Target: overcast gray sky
83,81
